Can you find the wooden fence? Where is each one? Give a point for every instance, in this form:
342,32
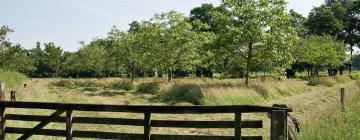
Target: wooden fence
278,121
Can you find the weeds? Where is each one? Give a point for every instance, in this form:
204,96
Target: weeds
183,93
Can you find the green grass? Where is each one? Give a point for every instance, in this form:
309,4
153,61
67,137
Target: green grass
12,79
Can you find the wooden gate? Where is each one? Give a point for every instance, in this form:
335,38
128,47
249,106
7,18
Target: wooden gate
278,121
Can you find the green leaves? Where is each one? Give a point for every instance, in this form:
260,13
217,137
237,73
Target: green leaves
321,51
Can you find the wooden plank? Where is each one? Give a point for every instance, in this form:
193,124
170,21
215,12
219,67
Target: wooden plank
140,122
198,137
147,126
142,108
77,134
2,123
41,125
237,126
69,124
205,124
279,125
84,120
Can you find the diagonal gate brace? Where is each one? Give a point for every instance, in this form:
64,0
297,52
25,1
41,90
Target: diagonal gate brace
41,125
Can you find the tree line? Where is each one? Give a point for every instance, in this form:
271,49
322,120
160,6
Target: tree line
231,39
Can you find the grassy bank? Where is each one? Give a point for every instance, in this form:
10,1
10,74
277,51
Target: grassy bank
335,124
12,80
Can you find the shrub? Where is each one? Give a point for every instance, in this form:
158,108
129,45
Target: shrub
152,87
355,76
125,85
183,93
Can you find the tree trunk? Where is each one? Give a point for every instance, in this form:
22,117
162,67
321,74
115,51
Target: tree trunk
351,58
341,71
248,64
133,73
169,74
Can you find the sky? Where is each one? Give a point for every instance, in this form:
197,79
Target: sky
66,22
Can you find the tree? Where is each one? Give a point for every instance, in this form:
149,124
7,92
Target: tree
178,44
128,48
92,58
53,57
339,19
327,20
351,34
298,22
260,31
13,57
321,52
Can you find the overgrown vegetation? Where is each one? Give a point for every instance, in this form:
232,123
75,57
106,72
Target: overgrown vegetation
183,93
335,124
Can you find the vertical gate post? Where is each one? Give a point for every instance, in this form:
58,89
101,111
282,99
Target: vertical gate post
147,125
2,91
279,130
237,126
2,123
69,123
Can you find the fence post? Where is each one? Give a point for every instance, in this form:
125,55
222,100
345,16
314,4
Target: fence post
237,126
279,125
147,125
2,91
342,99
69,123
13,96
2,123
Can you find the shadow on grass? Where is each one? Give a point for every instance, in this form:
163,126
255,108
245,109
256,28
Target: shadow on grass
107,94
92,89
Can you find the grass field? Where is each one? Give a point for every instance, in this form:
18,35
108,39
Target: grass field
315,106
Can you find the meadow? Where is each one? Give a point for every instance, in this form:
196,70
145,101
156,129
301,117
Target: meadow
315,105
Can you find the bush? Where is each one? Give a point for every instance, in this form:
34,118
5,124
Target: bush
355,76
125,85
183,93
152,87
329,82
313,81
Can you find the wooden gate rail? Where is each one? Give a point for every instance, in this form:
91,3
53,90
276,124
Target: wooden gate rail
278,121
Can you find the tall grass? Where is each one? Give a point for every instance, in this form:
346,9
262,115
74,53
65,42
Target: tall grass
335,124
183,93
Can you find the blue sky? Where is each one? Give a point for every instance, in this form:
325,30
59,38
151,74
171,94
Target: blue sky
66,22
